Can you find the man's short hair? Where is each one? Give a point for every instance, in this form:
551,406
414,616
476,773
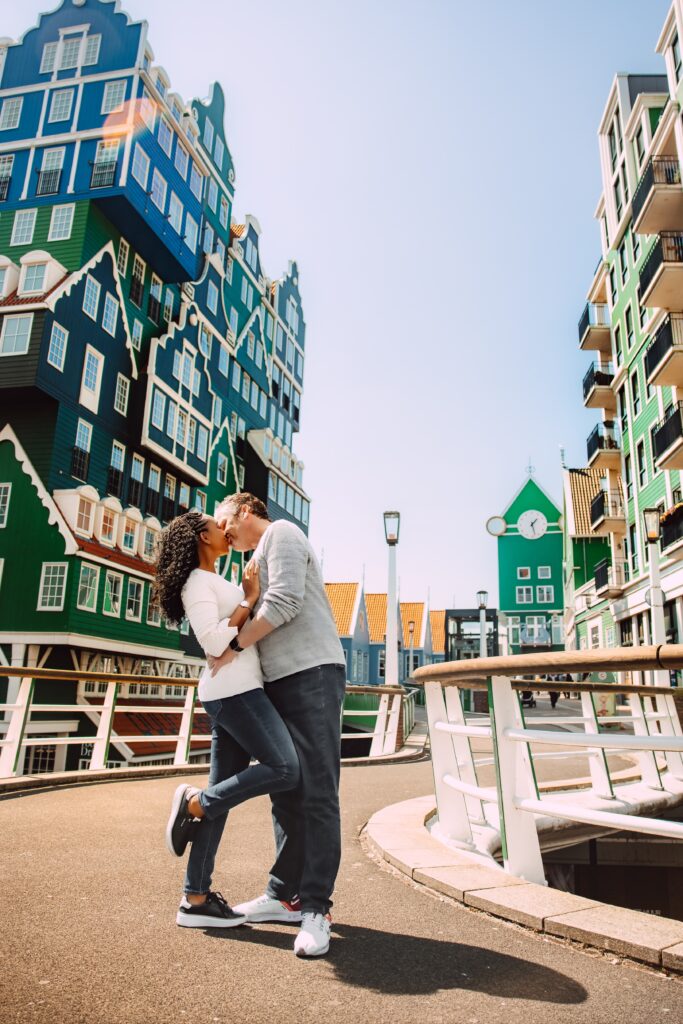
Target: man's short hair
243,499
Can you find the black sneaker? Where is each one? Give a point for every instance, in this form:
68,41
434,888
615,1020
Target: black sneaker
181,825
213,913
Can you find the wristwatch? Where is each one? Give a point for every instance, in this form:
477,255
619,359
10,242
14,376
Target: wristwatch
245,604
234,645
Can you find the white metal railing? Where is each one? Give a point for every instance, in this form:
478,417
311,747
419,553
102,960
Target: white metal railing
384,737
479,818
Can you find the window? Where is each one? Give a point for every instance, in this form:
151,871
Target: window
191,233
71,48
633,547
208,134
523,572
158,192
148,544
91,380
137,335
622,409
246,386
121,396
168,306
47,61
137,284
181,428
16,334
158,410
87,588
56,352
187,367
184,495
627,476
84,516
92,50
247,293
545,595
140,168
217,411
623,262
212,297
114,95
154,480
22,229
191,435
61,222
10,113
233,320
118,456
222,469
635,393
52,587
5,491
175,213
60,109
202,442
223,214
196,181
129,535
525,595
171,420
212,194
134,600
83,436
181,160
34,278
153,613
147,109
91,297
208,239
219,152
635,245
613,284
642,465
557,632
110,315
544,572
630,337
108,526
165,136
676,55
251,254
111,604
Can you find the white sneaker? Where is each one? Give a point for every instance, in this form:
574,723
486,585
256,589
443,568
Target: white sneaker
314,937
265,908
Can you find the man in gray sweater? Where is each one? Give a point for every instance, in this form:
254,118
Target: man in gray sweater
305,678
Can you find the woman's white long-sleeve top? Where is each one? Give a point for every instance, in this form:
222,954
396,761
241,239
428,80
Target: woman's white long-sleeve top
209,601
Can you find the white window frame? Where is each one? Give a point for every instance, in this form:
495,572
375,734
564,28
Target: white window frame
140,159
64,115
5,495
545,594
544,572
11,317
57,365
91,283
122,256
156,178
522,593
96,588
166,125
21,217
48,57
59,232
91,399
136,334
41,606
121,394
112,89
158,402
16,104
135,583
26,271
110,574
212,297
191,235
110,302
87,427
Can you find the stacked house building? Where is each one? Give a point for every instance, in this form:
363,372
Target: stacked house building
148,364
632,328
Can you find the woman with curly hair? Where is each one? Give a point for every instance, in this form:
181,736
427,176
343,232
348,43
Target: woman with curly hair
245,724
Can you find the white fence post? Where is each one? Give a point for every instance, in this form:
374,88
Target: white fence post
184,742
647,759
463,752
377,745
454,822
391,734
10,752
100,750
515,781
666,706
597,758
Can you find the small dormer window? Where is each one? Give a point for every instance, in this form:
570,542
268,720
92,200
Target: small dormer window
129,535
108,526
3,279
34,278
84,516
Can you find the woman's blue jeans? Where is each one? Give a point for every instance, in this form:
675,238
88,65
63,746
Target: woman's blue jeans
245,726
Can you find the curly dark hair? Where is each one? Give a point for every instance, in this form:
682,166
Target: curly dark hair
177,556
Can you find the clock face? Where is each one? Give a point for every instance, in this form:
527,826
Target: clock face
532,524
496,526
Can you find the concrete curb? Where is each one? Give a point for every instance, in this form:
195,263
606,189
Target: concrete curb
398,835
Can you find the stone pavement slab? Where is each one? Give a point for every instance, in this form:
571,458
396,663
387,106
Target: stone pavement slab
628,932
527,903
457,880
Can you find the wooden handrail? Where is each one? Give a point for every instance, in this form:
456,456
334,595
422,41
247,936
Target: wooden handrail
604,659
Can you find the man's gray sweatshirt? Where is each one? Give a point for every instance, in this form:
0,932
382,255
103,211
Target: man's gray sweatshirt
293,599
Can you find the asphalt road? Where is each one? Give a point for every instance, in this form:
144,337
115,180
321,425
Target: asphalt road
88,931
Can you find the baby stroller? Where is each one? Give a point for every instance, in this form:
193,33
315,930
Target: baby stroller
528,697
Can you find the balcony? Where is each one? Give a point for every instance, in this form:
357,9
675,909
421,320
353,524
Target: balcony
672,527
664,357
667,439
658,200
114,482
610,580
661,277
48,182
607,513
80,461
597,387
103,174
603,447
594,329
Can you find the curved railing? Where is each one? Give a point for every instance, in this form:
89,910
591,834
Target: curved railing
478,818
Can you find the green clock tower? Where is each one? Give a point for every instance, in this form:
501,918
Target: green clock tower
529,534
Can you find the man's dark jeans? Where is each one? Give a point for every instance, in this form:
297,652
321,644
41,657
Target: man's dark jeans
306,819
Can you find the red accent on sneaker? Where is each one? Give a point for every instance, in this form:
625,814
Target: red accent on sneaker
294,904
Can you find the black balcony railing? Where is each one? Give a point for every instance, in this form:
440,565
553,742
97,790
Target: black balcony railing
672,527
80,461
154,309
114,482
594,315
135,493
48,182
606,505
660,170
103,174
5,181
597,376
152,502
668,431
137,288
168,509
668,337
667,249
608,575
603,438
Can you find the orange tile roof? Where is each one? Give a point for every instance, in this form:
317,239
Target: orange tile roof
412,610
238,229
342,598
377,617
584,485
437,620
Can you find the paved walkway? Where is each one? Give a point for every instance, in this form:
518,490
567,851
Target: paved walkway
88,933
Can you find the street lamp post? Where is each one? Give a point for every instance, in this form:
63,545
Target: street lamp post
411,635
482,599
652,526
392,523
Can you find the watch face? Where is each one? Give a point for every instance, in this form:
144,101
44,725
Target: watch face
532,524
496,526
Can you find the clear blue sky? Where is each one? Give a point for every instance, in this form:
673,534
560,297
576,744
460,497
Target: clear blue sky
433,167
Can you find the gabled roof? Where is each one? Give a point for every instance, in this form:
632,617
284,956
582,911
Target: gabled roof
584,484
376,605
437,621
343,598
413,611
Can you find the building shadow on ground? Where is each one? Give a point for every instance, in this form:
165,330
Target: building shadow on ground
396,964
